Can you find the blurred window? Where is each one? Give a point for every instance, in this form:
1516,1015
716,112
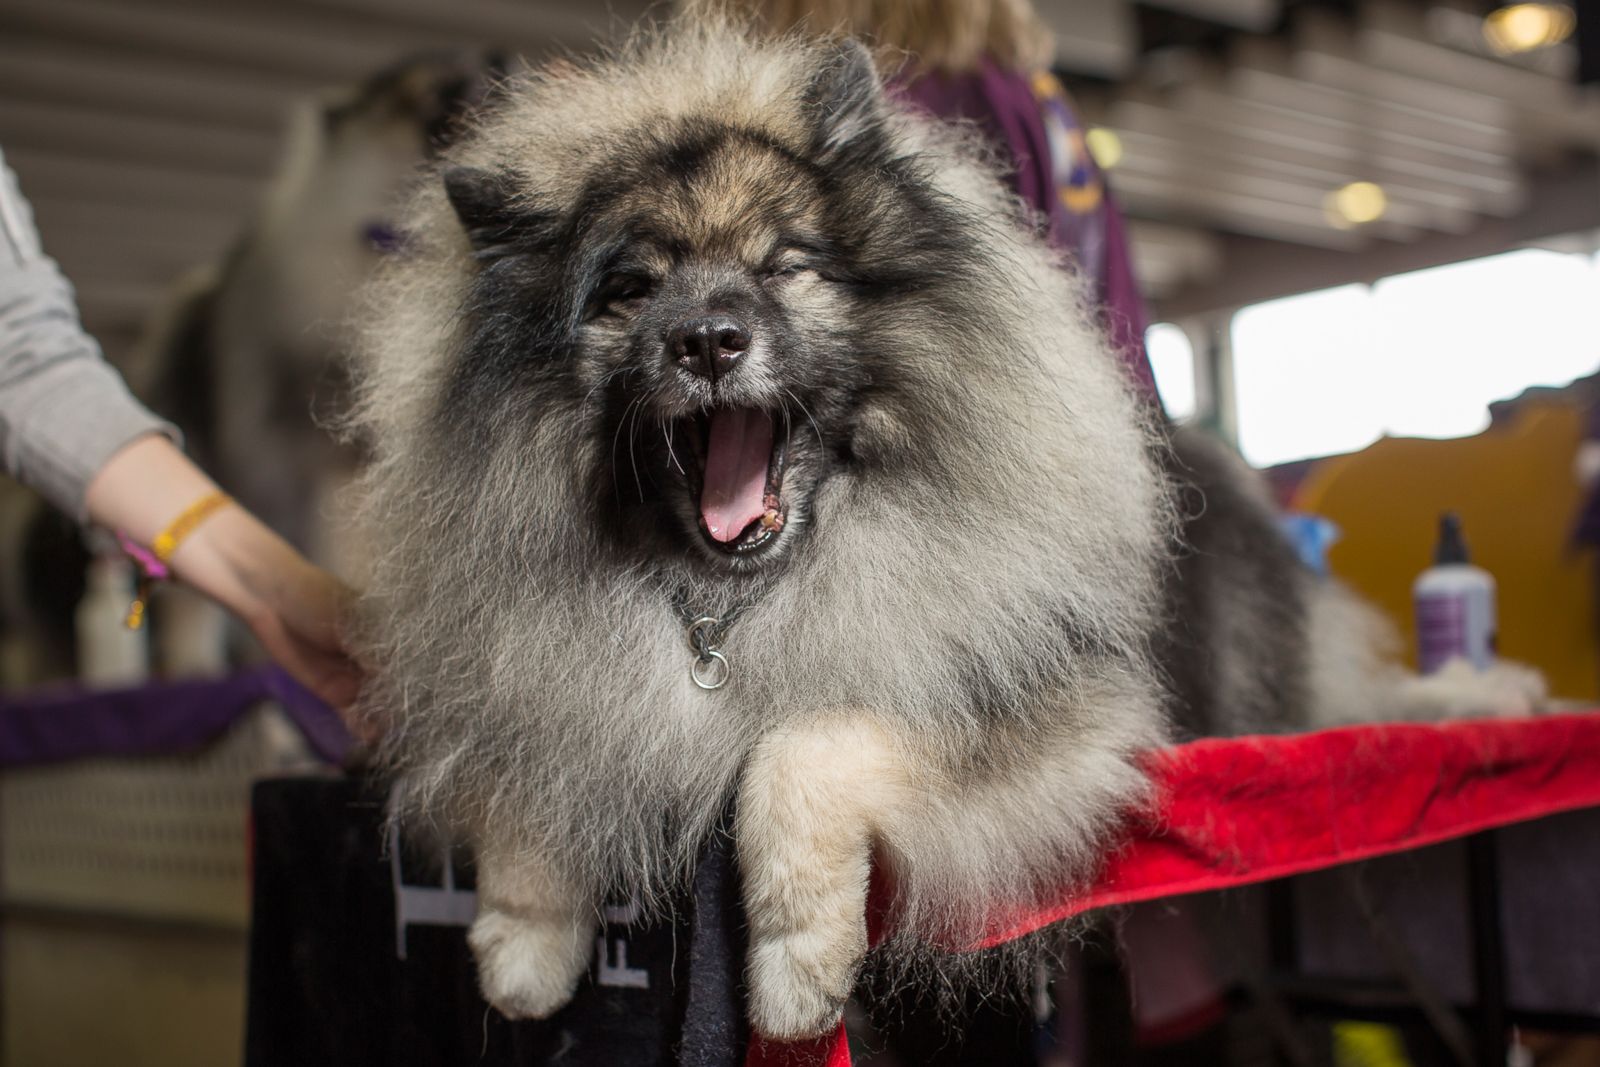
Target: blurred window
1303,371
1417,355
1172,360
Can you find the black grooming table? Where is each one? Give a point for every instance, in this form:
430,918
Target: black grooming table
358,955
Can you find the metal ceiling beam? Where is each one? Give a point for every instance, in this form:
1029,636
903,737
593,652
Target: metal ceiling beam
1257,16
1093,37
1394,38
113,80
1410,205
1205,135
115,138
1254,270
280,40
1176,201
1319,86
1254,130
513,24
112,226
1270,198
1251,105
68,173
1325,50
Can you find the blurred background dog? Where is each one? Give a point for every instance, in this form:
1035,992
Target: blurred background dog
245,358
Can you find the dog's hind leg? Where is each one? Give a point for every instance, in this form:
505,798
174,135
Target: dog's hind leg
808,807
533,937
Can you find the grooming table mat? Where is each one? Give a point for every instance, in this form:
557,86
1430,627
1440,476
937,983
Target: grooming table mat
357,959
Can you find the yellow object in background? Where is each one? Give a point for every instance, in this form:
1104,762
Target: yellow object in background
1368,1045
1514,488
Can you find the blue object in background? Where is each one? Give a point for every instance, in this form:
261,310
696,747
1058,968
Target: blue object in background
1311,536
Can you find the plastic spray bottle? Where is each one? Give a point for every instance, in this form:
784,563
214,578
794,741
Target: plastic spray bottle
1454,604
109,654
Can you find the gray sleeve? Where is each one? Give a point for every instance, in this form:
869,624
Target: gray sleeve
63,409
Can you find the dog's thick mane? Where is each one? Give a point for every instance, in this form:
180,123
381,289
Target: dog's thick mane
994,543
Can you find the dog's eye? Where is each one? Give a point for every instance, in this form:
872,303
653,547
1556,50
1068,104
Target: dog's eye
622,294
780,271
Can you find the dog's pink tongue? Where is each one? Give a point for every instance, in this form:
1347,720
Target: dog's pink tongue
736,471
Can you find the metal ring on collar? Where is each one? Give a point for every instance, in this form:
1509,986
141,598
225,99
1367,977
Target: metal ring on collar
706,673
699,634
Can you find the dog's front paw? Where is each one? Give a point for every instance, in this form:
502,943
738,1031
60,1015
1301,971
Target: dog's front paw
528,969
799,983
1516,689
1504,689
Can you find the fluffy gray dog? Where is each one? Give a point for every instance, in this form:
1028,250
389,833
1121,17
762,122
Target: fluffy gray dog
734,437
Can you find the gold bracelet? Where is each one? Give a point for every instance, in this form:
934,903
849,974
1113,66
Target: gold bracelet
152,562
167,541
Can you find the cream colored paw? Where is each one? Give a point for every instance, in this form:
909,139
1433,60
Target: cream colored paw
1458,690
528,969
1516,689
799,983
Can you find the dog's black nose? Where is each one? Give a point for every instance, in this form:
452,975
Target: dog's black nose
709,346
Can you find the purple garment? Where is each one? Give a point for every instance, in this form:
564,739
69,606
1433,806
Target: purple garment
1587,529
70,723
1033,122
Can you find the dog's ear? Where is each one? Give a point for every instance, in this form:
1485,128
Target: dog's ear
846,99
482,201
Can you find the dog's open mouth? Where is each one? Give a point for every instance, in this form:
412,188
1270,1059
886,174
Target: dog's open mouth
739,484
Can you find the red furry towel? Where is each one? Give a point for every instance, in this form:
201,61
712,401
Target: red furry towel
1249,809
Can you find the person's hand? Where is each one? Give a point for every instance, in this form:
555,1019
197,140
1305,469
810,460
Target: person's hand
300,622
296,610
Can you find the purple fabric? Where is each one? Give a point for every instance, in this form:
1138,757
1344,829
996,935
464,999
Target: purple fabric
1587,529
69,723
1032,121
1123,307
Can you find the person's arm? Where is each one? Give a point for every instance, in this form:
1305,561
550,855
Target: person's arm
70,429
63,410
293,607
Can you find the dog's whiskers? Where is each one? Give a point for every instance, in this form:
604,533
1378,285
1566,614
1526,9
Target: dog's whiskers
618,436
633,434
814,427
666,429
605,380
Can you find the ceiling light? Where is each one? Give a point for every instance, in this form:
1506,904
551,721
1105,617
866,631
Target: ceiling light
1518,28
1355,204
1104,145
